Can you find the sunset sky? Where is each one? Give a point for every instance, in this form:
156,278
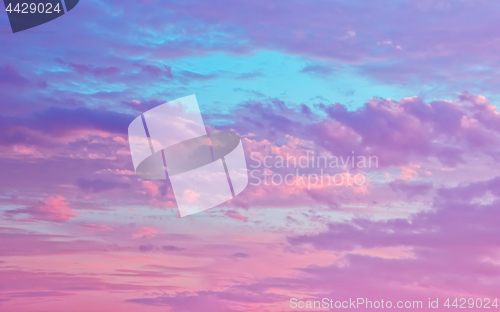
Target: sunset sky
413,83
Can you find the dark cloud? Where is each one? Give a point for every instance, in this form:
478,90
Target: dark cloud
239,255
99,185
411,189
171,248
95,71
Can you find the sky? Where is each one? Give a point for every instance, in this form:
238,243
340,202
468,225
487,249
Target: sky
411,84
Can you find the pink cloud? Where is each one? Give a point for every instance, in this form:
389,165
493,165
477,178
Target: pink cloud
144,232
54,209
233,214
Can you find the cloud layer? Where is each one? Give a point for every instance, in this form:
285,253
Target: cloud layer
79,230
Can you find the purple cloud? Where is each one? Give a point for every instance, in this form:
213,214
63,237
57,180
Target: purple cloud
99,185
